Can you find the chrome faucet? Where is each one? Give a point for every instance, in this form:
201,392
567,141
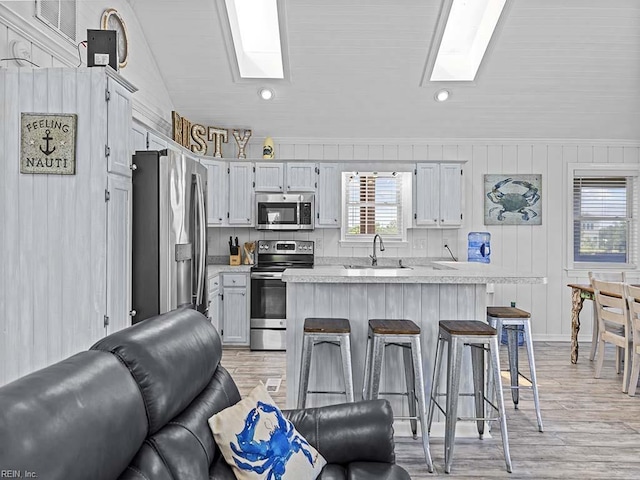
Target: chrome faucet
374,259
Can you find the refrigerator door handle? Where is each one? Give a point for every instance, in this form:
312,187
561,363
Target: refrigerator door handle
202,240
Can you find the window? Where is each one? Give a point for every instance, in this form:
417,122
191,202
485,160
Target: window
375,203
603,227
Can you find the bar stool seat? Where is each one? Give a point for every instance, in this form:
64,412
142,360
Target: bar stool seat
456,334
406,335
334,331
514,320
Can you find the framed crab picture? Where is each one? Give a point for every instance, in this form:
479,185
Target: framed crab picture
513,199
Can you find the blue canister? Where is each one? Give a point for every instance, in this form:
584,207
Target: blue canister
479,247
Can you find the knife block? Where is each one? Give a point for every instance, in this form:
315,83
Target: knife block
235,259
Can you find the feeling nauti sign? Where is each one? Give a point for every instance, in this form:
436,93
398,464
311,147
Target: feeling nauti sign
48,143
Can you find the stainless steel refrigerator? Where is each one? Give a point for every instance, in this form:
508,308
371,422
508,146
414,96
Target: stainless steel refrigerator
169,234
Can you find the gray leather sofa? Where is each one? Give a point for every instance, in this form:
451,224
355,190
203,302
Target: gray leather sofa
135,406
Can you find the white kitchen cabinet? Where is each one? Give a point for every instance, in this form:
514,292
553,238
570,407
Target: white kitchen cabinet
300,177
438,195
327,197
235,309
119,208
215,305
66,237
240,211
118,109
217,192
269,177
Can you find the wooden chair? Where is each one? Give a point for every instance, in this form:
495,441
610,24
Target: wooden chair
611,277
633,304
613,324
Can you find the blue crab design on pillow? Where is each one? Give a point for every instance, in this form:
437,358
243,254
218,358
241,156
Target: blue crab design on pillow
270,455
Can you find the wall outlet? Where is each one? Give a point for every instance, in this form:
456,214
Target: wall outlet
318,244
419,244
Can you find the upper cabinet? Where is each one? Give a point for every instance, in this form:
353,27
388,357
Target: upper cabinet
269,177
438,195
285,177
217,191
240,193
118,152
301,177
327,201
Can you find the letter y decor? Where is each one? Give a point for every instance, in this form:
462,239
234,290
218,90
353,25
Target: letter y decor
513,200
48,143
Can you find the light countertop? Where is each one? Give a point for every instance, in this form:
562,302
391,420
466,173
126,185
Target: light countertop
215,269
436,272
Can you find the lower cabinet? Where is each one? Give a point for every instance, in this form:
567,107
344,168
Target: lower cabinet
234,325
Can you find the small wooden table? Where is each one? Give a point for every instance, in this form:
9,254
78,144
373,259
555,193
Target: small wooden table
579,292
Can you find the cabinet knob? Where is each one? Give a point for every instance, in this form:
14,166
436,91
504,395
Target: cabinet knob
243,294
233,281
219,219
288,187
442,220
335,220
134,166
133,313
435,219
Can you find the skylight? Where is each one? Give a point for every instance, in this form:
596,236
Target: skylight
469,28
256,37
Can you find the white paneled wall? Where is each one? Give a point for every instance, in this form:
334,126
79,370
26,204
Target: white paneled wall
537,249
49,49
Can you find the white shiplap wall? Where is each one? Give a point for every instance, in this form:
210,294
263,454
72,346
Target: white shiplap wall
47,48
537,249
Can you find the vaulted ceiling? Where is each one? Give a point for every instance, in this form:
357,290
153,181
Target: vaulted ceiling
555,69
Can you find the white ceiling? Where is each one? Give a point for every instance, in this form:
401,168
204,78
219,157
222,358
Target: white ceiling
555,69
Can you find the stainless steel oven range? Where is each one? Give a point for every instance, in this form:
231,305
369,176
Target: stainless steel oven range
269,292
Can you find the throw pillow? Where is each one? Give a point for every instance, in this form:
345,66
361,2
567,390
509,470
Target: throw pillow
259,443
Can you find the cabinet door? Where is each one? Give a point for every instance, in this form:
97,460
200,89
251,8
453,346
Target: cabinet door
216,192
156,143
328,197
240,193
138,138
118,146
214,302
269,177
301,177
118,253
427,195
235,325
450,195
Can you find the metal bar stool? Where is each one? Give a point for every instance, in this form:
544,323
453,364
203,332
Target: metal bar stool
406,335
335,331
514,320
477,335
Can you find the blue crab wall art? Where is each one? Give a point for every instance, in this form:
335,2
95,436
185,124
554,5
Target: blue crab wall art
513,200
268,455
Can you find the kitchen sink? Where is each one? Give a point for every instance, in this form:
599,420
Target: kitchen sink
377,267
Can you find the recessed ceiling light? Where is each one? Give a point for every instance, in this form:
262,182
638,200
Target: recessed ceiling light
266,93
442,95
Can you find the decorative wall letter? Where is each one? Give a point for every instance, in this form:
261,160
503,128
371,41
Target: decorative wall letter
198,133
242,138
218,135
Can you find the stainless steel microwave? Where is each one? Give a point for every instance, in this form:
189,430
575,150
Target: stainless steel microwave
281,211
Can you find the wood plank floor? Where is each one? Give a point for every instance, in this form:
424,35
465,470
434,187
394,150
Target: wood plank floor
591,429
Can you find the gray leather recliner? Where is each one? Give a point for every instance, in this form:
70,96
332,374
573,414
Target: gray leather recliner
136,405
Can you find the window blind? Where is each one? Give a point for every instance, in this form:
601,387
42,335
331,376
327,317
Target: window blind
60,15
373,204
602,219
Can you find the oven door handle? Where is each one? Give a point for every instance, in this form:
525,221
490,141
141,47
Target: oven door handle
262,276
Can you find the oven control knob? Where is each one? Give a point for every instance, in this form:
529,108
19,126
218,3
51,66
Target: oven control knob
266,247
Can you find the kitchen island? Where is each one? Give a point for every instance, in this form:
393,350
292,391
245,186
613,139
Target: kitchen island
423,294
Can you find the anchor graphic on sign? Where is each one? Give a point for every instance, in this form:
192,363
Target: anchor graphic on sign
47,139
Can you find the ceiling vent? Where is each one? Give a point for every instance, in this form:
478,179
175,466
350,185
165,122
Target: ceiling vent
60,15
